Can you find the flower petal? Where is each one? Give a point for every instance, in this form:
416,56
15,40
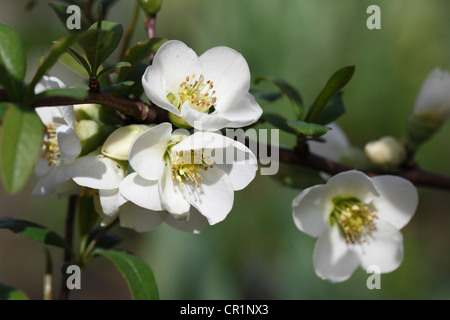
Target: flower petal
139,219
46,184
309,212
332,258
203,121
95,171
398,200
172,198
195,222
147,151
108,200
352,183
214,198
384,248
41,167
144,193
173,62
69,143
242,111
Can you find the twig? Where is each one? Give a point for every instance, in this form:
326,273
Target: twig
64,293
130,30
150,24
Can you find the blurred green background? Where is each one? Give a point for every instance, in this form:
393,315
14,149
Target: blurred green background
257,252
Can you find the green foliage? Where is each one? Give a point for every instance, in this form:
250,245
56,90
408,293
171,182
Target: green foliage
87,216
277,121
333,110
289,91
136,272
12,62
76,93
308,129
75,62
33,231
20,145
61,12
10,293
151,7
337,81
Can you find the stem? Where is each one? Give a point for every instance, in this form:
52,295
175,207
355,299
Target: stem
130,30
150,24
94,241
48,278
64,291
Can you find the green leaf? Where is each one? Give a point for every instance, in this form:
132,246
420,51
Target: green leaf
20,145
308,129
12,62
87,216
151,7
114,67
3,108
333,110
74,64
277,121
99,44
55,52
265,96
117,88
337,81
106,241
10,293
76,93
61,12
137,273
289,91
33,231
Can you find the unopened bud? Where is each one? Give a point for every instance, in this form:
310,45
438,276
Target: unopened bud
386,153
119,142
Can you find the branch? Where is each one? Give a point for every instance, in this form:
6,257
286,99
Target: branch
150,23
416,175
137,110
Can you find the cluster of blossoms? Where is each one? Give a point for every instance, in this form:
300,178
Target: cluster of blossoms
146,175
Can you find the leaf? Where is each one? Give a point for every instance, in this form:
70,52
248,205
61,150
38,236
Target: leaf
74,64
99,44
55,52
308,129
140,51
265,96
277,121
118,87
333,110
337,81
76,93
12,62
20,145
87,216
114,67
33,231
289,91
106,241
61,12
136,272
10,293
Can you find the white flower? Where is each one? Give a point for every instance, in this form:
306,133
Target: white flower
357,221
211,89
385,153
117,145
175,171
433,100
61,144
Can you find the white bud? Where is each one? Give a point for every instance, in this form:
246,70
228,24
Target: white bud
119,142
385,153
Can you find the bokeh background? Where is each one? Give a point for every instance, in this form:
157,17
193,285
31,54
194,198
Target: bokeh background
257,252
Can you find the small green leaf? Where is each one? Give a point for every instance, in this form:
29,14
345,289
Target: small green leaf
61,12
55,52
10,293
333,110
73,63
114,67
33,231
289,91
151,7
106,241
337,81
20,145
76,93
12,62
265,96
118,87
137,273
308,129
99,44
277,121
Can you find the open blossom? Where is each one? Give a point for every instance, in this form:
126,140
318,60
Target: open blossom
175,171
211,89
357,221
61,144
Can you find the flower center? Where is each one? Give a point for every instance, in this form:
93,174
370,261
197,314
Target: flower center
51,151
199,93
187,165
354,218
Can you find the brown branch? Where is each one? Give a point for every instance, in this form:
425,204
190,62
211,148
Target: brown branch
138,110
150,24
416,175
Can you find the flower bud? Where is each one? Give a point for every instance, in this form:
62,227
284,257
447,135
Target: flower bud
386,153
431,109
119,142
